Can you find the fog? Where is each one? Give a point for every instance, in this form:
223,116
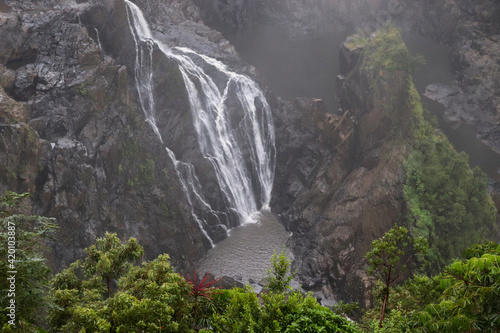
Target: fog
307,66
293,67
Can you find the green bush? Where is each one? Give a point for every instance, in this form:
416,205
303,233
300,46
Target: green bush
22,239
447,201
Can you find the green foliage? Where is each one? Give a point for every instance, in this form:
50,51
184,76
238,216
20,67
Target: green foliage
447,202
389,258
395,321
152,298
386,52
311,317
345,309
471,298
278,309
415,293
279,274
407,300
109,259
387,67
358,40
148,298
22,239
277,312
240,313
387,255
202,292
465,297
82,89
81,294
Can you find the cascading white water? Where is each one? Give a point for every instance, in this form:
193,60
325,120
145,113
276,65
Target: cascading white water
218,141
232,119
144,83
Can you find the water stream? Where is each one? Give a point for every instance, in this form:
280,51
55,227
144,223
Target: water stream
241,152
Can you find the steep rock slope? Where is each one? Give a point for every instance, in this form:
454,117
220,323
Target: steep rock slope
386,166
73,134
356,193
470,28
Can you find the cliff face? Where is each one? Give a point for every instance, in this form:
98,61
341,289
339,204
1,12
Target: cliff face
338,182
72,131
73,134
470,28
337,206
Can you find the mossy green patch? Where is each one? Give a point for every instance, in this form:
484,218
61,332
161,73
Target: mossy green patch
386,52
137,165
447,201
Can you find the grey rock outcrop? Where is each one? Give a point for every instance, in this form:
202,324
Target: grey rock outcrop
73,134
343,188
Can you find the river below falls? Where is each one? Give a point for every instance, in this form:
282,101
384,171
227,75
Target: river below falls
245,254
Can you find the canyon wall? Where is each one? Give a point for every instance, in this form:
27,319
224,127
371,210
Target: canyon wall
73,133
340,177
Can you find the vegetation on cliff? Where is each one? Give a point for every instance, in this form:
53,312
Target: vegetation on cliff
464,297
24,275
447,202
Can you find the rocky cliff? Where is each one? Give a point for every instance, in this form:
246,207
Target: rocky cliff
72,131
336,205
339,177
470,28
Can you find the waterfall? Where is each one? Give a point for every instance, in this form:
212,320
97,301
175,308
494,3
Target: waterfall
231,117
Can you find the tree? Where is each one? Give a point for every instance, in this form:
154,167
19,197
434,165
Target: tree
79,293
109,259
23,272
471,298
390,256
152,298
147,298
279,274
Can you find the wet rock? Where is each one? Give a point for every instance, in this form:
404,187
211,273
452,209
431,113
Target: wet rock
440,92
227,282
80,141
350,52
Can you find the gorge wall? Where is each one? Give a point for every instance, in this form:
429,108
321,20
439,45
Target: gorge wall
339,181
73,134
470,28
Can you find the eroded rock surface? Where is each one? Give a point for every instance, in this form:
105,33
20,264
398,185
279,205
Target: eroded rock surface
73,134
